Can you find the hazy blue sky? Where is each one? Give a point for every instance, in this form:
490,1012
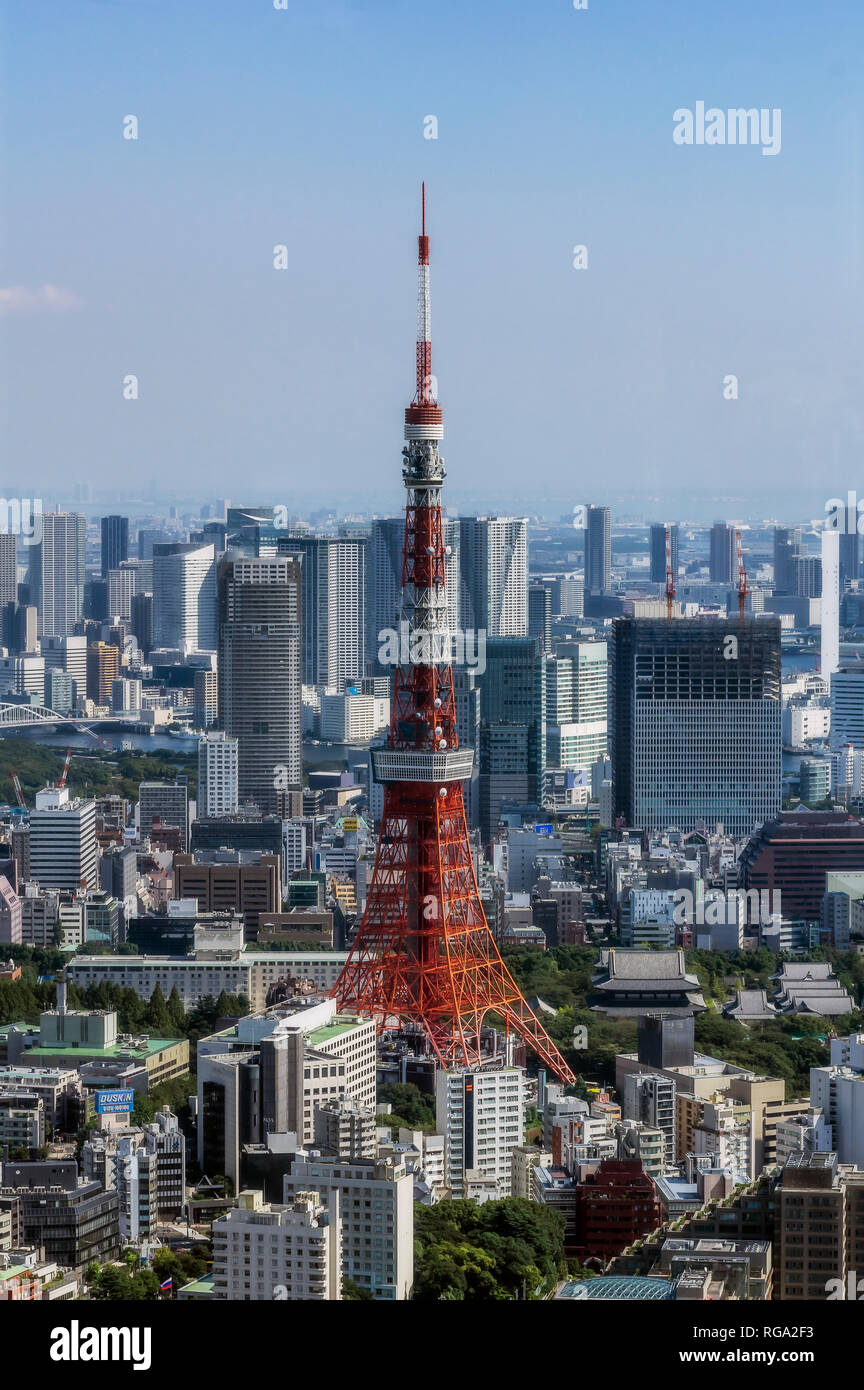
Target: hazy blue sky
305,127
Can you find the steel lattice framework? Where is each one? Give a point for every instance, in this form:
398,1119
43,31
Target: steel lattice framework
424,953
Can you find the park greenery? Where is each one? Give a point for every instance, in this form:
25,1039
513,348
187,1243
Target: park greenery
22,1001
93,771
785,1047
505,1249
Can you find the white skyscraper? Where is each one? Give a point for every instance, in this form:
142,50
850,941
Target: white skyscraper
576,705
830,648
58,572
480,1114
375,1200
184,596
333,607
67,654
493,571
217,775
63,841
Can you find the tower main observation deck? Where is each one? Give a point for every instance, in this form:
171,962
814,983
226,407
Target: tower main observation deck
423,953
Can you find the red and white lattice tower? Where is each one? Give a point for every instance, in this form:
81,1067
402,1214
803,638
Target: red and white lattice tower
424,953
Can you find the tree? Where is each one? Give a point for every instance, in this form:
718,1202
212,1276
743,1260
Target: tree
505,1249
157,1018
176,1012
354,1293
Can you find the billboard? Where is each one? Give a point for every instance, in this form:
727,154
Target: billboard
350,823
114,1102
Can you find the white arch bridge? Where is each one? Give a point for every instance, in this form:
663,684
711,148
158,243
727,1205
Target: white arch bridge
21,716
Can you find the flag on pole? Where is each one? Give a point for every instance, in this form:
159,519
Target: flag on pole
167,1284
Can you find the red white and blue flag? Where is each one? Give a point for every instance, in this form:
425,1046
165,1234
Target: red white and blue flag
167,1284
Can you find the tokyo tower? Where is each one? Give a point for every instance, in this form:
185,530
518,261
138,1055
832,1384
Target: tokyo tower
424,953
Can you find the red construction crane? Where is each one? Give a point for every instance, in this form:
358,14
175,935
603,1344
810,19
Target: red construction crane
743,590
16,783
65,772
424,954
670,577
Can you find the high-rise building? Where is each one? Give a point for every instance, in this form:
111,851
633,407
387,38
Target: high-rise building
217,775
8,569
184,596
849,558
847,705
831,590
493,575
650,1099
598,550
20,628
375,1199
166,802
540,612
260,675
59,573
141,620
695,722
657,550
206,699
122,587
819,1227
63,841
792,853
384,581
480,1115
787,544
568,597
125,696
722,558
115,543
334,607
512,728
69,655
103,669
576,705
806,572
23,675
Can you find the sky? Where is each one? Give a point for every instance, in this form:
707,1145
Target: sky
304,127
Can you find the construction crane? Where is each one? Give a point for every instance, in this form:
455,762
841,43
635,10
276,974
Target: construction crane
743,590
65,772
670,577
16,783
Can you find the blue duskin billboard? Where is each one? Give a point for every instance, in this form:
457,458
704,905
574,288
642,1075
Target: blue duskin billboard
114,1102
